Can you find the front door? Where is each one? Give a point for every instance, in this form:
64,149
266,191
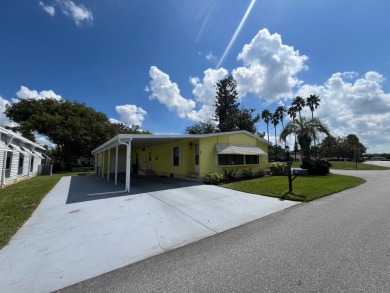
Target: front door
150,160
196,149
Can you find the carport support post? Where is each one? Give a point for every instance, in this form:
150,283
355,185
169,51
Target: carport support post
102,164
116,166
128,162
108,165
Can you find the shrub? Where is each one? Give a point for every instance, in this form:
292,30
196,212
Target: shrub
229,174
261,172
316,167
278,168
213,178
248,173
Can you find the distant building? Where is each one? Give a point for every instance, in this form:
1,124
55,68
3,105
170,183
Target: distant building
20,158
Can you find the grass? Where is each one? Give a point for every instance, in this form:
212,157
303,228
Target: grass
18,201
347,165
305,188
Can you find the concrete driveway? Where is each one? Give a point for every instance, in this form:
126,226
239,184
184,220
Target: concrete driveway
72,237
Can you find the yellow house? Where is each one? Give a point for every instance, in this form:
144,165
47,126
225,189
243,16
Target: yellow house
181,156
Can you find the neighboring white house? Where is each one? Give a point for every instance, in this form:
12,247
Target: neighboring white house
19,157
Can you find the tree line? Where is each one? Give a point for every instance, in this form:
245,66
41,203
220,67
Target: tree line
74,128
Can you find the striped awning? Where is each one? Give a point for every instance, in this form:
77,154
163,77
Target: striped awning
232,149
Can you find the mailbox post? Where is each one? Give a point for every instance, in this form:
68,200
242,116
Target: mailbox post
290,188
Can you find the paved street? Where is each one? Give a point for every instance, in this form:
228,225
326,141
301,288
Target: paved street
340,243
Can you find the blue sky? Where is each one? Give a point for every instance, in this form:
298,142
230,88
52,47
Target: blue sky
154,63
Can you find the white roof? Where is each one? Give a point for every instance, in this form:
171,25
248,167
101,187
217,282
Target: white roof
145,140
238,149
4,147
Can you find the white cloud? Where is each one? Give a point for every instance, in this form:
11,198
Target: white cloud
270,67
205,92
130,115
168,93
77,12
4,121
42,140
47,8
26,93
354,104
210,56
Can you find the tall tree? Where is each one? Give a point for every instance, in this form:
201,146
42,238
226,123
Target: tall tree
292,112
226,105
201,128
75,128
298,103
227,113
266,116
281,112
313,101
304,129
275,122
246,120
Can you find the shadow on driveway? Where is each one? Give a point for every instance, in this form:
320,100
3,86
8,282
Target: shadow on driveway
81,186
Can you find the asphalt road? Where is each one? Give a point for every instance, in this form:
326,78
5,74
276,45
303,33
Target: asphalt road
340,243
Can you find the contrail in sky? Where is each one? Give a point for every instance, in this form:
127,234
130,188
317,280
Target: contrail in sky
236,32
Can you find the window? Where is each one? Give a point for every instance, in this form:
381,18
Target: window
21,161
9,159
32,164
251,159
230,159
176,156
237,159
8,165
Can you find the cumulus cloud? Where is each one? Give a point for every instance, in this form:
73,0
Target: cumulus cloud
354,104
47,8
204,92
26,93
79,13
270,67
168,93
4,121
130,115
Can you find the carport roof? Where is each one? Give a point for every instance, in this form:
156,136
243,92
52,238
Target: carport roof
147,140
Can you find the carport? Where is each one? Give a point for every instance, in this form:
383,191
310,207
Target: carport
127,142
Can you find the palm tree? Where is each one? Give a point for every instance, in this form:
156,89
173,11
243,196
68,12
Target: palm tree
313,101
292,112
299,103
275,122
266,116
305,131
281,112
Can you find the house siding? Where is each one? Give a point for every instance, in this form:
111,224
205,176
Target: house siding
162,158
209,159
158,159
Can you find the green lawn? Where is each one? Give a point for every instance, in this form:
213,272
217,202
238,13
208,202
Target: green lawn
305,188
345,165
18,202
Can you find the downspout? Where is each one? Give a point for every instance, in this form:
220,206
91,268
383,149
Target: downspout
128,158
